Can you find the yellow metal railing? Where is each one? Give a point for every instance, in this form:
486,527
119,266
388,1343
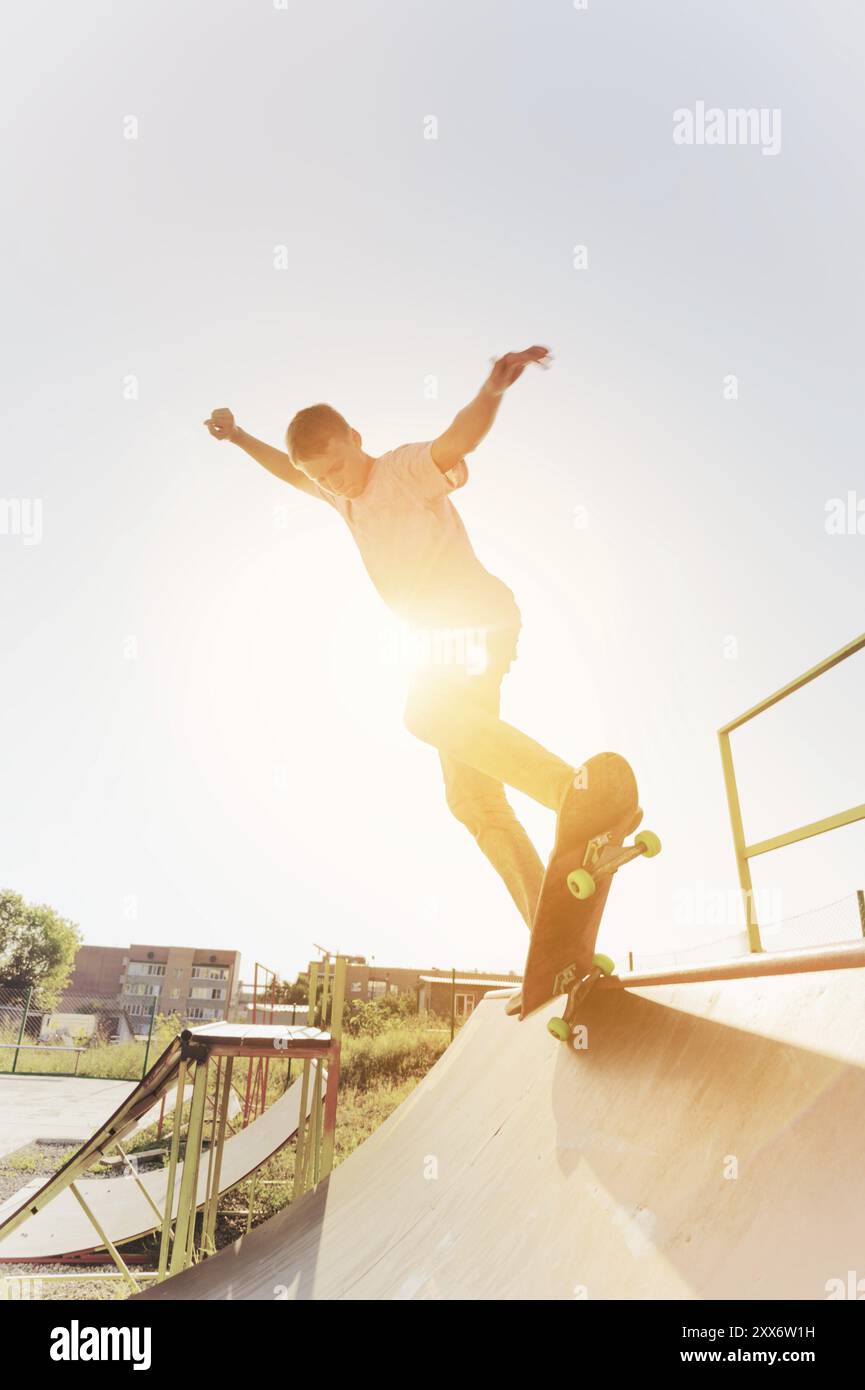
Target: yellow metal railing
744,852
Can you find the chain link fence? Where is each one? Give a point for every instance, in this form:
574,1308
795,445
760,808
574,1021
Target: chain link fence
834,924
78,1035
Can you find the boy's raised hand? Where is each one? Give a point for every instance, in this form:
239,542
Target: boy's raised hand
508,369
222,424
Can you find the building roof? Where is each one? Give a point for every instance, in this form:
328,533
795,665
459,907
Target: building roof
470,980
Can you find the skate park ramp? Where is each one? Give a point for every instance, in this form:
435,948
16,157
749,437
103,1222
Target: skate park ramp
120,1205
44,1220
707,1144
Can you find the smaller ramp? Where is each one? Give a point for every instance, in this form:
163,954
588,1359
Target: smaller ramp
123,1207
124,1120
120,1204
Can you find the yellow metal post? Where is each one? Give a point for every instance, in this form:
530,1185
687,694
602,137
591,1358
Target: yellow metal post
742,864
187,1204
336,1017
165,1239
209,1227
305,1124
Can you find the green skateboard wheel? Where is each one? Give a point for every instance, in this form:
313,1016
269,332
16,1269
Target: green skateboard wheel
650,842
604,964
581,884
559,1029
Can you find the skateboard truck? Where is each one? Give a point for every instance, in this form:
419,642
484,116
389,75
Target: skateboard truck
600,861
577,986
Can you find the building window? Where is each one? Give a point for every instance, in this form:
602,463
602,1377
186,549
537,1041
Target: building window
464,1004
377,989
140,967
203,992
210,972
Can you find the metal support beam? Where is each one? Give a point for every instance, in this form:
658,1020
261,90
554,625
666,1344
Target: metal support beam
165,1240
103,1237
187,1204
742,865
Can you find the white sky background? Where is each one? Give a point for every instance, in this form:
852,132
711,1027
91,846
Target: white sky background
202,738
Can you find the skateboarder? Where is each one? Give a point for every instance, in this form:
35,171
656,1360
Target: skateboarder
415,548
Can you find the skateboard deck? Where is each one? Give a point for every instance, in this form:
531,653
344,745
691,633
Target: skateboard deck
589,849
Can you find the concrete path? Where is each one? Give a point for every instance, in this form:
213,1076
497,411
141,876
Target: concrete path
55,1108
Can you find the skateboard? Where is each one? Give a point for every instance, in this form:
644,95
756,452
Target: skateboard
589,850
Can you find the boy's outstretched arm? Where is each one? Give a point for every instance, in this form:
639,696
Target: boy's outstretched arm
474,421
222,425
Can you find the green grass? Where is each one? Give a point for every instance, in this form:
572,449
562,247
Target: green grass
105,1061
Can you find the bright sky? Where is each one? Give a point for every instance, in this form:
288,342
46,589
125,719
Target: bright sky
202,737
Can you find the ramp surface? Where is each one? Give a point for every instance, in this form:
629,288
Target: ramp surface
708,1143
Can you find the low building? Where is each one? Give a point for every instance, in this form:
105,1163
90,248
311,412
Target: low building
458,995
436,991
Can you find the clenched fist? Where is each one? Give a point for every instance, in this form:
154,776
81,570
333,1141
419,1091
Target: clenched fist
222,424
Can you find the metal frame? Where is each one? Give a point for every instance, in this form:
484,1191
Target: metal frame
256,1087
745,852
848,956
315,1145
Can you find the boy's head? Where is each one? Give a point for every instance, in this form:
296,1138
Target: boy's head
322,444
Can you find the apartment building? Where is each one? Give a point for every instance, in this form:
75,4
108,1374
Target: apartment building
197,984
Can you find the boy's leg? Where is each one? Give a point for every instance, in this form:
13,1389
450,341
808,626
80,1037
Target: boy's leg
458,712
459,715
480,804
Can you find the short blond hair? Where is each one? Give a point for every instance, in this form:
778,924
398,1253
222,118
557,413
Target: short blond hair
312,429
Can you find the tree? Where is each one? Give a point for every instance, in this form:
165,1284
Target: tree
296,993
37,948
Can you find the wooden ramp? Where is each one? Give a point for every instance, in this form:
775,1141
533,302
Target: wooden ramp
709,1143
120,1205
44,1220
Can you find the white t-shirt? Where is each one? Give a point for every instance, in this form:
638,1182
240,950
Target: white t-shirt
415,547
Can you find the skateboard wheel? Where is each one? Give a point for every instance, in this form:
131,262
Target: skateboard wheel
605,964
559,1029
650,842
581,883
